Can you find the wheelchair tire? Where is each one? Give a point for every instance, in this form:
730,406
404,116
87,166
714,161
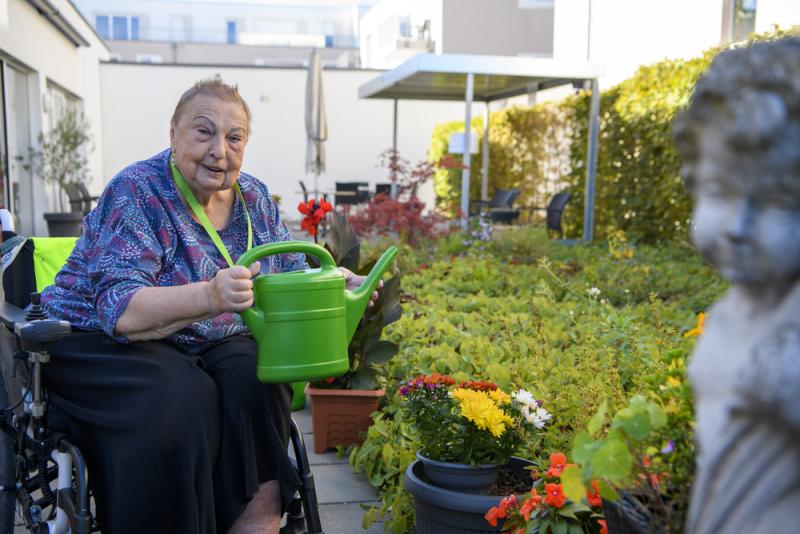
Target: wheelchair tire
7,474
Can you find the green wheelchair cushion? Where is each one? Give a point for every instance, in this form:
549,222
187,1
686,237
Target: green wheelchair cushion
49,256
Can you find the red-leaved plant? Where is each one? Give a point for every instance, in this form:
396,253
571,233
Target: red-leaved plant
402,215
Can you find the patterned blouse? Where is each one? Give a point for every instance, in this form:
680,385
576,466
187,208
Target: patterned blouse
141,235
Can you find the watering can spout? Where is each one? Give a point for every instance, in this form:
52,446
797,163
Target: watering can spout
254,319
357,300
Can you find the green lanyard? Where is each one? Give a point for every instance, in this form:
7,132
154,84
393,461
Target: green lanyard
180,181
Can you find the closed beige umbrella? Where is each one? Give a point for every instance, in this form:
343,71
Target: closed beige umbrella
316,121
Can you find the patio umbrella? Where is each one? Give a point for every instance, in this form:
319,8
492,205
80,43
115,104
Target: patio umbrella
316,121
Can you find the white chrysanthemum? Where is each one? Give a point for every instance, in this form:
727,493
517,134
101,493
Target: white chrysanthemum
523,397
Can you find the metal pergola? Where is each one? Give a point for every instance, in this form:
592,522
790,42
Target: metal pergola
489,78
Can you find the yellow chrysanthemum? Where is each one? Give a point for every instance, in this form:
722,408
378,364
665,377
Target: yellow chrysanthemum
500,397
479,408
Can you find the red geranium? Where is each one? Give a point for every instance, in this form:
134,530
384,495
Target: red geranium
593,495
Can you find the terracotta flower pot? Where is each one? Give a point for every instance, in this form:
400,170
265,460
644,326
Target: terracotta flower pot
339,415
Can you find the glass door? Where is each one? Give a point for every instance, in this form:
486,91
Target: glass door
18,145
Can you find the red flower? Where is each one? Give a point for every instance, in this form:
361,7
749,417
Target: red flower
329,380
492,515
314,212
557,464
478,385
530,505
554,495
593,495
603,527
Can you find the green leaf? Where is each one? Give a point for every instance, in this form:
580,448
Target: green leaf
499,374
612,461
636,425
559,526
607,492
582,447
380,352
572,482
369,517
598,419
658,418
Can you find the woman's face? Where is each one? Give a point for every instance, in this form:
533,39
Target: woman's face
208,143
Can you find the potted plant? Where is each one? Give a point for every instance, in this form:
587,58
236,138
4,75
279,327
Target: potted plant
62,160
469,431
341,406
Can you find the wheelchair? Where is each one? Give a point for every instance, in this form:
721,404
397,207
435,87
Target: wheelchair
43,476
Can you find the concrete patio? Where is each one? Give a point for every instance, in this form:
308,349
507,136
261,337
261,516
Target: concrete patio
340,491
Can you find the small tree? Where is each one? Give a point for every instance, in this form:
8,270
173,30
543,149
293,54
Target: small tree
63,156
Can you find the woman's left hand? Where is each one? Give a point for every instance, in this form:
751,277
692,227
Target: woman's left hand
353,281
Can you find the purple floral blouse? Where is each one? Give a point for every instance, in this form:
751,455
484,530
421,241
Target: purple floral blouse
141,235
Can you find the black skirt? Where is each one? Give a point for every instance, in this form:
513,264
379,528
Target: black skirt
176,440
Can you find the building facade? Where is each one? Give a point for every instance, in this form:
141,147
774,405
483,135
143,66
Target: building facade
50,61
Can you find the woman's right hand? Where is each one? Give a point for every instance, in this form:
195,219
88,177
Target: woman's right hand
231,290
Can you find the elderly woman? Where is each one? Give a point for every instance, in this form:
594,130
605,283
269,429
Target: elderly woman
158,386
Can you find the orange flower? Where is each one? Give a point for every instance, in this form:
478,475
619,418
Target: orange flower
558,462
603,527
555,495
492,515
530,505
593,495
697,330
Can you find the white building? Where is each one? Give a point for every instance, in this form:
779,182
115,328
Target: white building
624,34
241,32
395,30
50,59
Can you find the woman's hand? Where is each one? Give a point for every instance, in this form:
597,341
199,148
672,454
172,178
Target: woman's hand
231,290
353,281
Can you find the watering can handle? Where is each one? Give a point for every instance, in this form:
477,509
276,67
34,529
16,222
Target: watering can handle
282,247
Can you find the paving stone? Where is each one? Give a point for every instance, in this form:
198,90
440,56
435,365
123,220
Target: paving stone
337,483
346,519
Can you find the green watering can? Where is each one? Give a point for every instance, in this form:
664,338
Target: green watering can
303,321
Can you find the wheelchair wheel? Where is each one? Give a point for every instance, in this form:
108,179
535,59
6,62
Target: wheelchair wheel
7,474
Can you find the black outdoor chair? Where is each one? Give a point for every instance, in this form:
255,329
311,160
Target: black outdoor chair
500,208
555,209
383,189
80,200
351,193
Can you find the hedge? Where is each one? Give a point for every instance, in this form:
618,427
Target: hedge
542,148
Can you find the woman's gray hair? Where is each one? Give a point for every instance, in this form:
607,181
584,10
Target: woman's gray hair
211,87
756,88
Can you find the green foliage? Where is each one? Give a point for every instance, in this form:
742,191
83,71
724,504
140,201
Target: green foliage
543,148
520,312
62,158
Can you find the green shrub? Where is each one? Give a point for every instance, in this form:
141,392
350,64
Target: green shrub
520,313
543,148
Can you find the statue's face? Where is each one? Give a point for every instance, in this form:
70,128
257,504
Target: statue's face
749,230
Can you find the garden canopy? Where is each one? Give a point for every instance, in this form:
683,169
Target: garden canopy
489,78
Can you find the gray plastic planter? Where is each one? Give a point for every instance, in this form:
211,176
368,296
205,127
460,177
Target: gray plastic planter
443,511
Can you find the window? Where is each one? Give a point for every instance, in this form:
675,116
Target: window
118,27
535,4
231,32
102,27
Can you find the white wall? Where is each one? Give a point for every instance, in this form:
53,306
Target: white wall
783,13
627,33
138,101
30,41
379,30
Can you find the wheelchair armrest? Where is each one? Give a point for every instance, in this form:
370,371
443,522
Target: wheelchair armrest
10,314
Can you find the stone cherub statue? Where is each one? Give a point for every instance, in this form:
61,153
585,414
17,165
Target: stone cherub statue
740,141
